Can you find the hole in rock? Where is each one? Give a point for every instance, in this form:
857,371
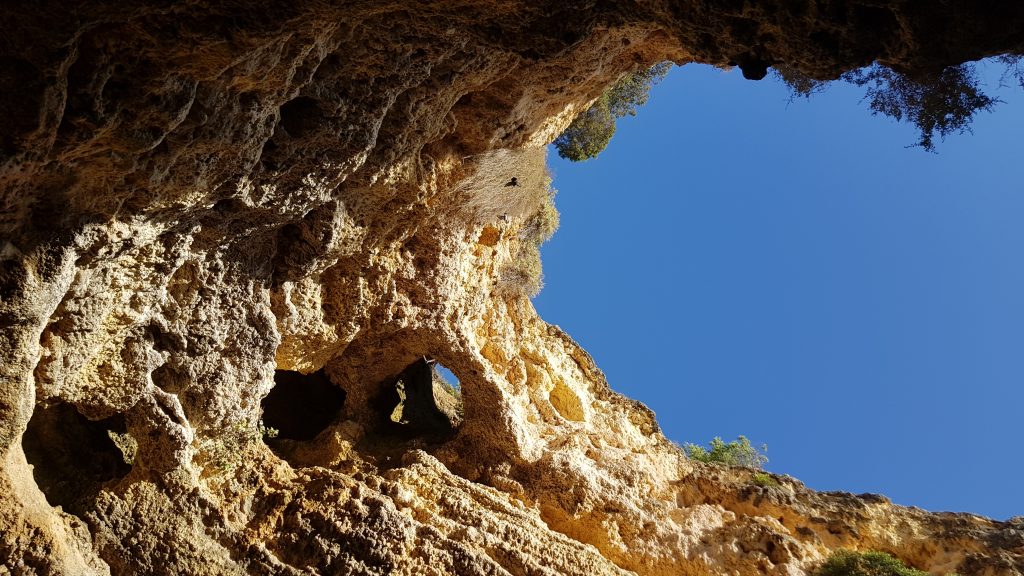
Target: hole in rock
300,406
300,116
447,377
73,456
425,400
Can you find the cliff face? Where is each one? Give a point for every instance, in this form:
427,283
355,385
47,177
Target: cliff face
200,201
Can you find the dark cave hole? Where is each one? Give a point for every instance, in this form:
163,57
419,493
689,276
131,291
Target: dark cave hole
73,456
300,116
228,205
424,400
300,406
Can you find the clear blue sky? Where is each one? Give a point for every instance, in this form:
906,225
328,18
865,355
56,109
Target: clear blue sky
793,273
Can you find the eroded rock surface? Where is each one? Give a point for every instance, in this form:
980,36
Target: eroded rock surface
196,197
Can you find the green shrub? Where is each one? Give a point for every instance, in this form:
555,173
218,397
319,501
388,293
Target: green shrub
739,452
764,480
849,563
227,451
591,131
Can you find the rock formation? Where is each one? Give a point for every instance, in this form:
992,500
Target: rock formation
200,199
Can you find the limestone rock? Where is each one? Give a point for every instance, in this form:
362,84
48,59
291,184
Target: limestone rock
202,200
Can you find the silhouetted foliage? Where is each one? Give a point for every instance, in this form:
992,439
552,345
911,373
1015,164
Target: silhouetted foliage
942,106
938,107
799,83
1014,68
591,131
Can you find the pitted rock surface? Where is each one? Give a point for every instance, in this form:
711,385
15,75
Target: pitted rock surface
196,197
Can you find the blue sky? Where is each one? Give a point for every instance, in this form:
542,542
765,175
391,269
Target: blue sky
793,273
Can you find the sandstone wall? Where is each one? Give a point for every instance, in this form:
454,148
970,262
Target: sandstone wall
196,195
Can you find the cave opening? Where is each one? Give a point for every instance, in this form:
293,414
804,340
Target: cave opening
72,457
425,400
300,116
300,406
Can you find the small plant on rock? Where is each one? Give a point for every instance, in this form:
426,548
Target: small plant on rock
850,563
524,274
764,480
739,452
226,451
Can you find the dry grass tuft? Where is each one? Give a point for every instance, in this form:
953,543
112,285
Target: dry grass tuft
542,224
488,198
527,208
524,276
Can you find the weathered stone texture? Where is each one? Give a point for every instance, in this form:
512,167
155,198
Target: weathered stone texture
196,194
